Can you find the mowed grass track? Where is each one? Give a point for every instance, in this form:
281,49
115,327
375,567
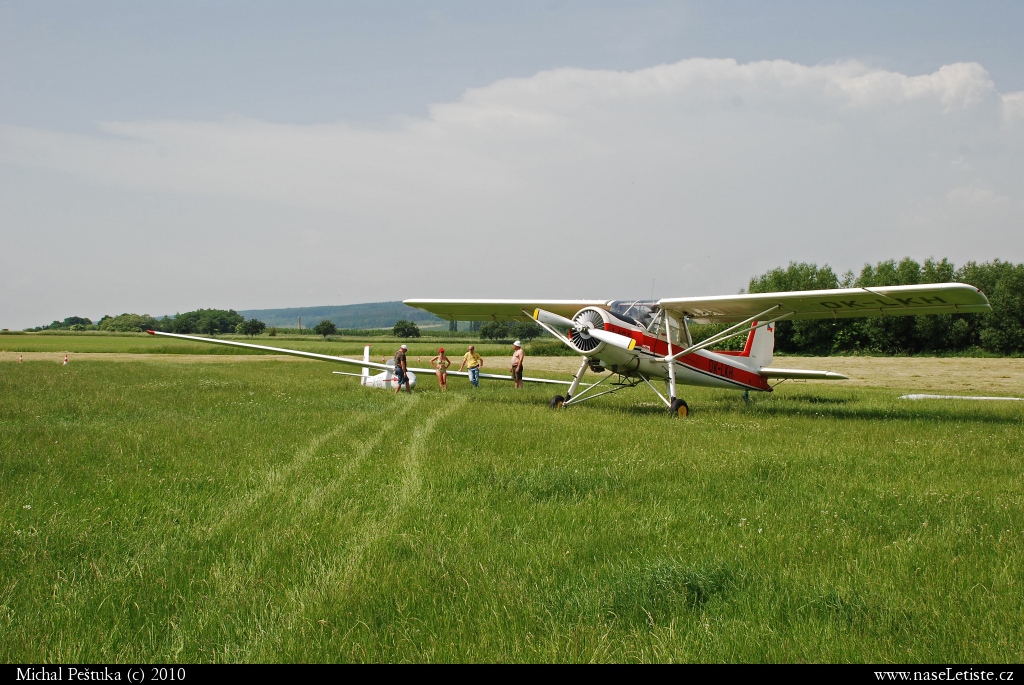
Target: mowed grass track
274,512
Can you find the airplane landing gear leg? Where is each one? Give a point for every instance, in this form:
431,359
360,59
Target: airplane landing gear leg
746,396
676,407
576,379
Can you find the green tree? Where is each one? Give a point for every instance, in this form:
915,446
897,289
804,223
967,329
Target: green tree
1003,329
524,330
494,330
405,329
325,328
995,331
891,334
210,321
252,327
75,321
814,336
67,323
128,323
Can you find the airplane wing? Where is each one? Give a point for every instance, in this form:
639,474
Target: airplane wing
340,360
895,300
502,310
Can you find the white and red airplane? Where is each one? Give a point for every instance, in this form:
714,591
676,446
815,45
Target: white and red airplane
643,340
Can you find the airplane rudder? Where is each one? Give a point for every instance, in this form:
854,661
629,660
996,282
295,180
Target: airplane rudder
762,348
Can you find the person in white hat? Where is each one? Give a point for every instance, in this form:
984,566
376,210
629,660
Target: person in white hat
517,363
401,370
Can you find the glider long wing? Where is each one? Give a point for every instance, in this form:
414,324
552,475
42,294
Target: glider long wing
896,300
341,360
501,310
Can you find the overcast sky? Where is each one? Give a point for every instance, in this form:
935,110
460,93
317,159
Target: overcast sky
162,156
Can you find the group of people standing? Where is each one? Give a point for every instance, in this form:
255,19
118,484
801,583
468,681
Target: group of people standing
472,361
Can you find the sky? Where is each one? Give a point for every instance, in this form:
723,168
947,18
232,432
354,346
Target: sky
163,156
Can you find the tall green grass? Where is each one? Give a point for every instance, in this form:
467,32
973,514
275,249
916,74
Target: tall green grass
269,512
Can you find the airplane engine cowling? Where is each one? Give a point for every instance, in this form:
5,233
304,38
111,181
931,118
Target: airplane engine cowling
589,336
580,338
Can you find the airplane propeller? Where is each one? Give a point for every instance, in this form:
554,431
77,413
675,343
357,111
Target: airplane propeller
553,319
586,329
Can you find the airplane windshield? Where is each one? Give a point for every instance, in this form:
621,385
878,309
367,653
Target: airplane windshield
640,311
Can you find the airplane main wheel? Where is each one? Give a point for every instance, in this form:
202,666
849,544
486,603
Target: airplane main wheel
556,402
679,409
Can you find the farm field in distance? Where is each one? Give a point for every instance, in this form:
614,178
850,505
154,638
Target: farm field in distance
155,510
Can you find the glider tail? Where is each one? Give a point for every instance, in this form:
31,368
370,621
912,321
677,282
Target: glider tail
761,344
366,369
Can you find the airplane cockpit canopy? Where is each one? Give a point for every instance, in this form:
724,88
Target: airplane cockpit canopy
640,312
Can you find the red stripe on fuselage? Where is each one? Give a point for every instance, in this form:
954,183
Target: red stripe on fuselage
709,365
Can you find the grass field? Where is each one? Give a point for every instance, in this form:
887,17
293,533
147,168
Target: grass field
260,511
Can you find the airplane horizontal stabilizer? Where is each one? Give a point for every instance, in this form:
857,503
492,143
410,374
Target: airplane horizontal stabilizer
802,374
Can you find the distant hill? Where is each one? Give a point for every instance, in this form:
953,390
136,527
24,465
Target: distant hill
370,315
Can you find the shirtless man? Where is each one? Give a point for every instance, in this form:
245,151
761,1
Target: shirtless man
517,363
401,370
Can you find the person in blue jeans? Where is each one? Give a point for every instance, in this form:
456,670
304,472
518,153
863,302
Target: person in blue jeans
475,362
401,370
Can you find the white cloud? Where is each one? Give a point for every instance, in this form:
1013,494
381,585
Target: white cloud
977,193
578,182
1013,107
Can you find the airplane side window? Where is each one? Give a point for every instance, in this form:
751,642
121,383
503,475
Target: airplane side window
678,333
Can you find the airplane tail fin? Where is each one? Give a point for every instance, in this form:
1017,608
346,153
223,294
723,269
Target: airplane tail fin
366,369
761,344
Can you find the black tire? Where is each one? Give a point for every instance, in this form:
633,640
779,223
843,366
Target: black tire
556,402
679,409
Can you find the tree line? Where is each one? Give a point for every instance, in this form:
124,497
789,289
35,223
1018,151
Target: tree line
1000,331
208,321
